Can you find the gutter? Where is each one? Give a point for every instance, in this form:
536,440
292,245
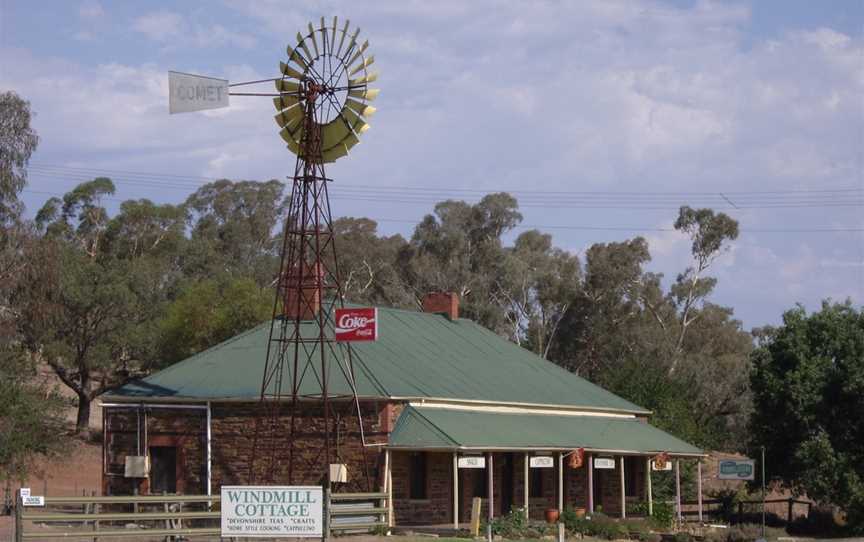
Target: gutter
407,399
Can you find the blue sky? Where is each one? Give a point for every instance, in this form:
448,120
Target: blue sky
602,116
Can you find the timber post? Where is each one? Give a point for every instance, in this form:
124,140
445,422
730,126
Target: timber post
19,523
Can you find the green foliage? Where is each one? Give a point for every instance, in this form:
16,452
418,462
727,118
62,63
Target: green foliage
459,249
30,416
18,140
208,312
598,525
662,513
236,228
515,526
808,388
369,264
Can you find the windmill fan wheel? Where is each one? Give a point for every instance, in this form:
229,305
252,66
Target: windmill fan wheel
324,89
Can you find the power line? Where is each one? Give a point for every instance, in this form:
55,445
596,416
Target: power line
566,226
157,177
575,200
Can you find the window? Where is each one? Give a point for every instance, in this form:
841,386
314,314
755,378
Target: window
417,475
535,488
631,475
163,469
480,482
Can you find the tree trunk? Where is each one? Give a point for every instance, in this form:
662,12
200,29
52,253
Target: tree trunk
82,424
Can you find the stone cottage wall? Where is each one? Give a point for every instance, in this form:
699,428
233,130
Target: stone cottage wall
128,428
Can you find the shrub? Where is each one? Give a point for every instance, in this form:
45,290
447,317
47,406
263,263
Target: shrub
599,525
513,525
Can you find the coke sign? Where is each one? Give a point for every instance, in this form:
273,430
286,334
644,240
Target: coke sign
357,324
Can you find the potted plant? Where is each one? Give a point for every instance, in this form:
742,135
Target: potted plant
552,515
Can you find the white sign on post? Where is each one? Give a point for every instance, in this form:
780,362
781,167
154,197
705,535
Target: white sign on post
187,92
33,500
25,492
272,511
471,462
541,462
604,463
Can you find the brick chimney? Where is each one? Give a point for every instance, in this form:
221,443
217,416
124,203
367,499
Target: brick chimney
302,281
446,303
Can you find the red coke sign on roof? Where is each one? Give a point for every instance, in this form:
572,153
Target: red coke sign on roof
354,325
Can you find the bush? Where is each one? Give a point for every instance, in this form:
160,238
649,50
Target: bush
599,525
513,525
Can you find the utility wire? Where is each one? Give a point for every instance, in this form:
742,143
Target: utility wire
560,226
604,200
153,176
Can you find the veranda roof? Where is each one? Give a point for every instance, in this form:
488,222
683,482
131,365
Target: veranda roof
435,428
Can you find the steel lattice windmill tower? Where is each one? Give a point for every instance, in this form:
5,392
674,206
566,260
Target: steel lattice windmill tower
322,105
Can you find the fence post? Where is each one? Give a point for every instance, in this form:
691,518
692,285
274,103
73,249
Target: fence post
740,512
789,515
327,504
95,521
19,523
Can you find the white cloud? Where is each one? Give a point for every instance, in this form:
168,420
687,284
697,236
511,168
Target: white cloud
173,30
160,26
611,95
91,9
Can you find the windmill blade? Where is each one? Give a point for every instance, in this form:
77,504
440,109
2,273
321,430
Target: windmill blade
293,146
331,155
297,57
287,86
363,65
302,44
333,34
292,136
351,44
334,132
372,77
360,108
288,71
359,53
353,120
351,140
314,41
324,39
342,39
289,117
367,94
285,102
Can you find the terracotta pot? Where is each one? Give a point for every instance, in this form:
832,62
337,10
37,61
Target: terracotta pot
552,515
580,512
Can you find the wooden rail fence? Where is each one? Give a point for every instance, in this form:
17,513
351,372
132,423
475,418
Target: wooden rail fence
156,516
740,506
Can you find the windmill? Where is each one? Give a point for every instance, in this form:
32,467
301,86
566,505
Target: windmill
322,103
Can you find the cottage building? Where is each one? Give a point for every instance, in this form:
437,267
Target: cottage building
438,395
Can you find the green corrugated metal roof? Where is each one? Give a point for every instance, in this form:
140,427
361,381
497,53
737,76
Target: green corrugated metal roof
416,355
445,428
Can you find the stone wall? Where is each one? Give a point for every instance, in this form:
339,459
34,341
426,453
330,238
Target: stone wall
130,431
233,435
